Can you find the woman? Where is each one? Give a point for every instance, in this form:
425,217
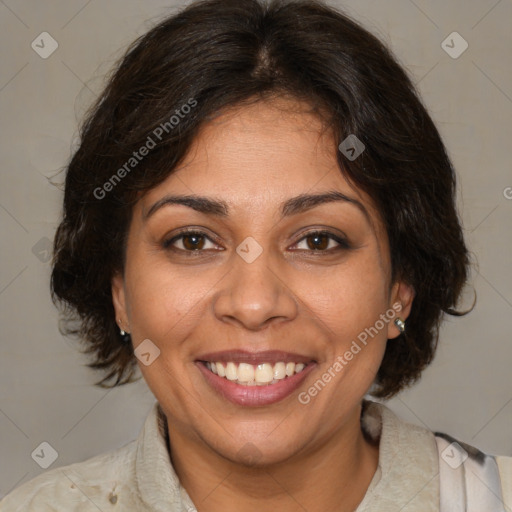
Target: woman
261,217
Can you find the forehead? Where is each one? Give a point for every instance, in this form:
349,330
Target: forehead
253,160
256,156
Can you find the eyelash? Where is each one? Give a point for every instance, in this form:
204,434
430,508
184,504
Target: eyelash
342,243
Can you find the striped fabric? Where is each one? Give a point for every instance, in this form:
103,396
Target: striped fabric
469,479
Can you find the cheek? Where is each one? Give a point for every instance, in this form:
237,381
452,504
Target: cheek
347,299
165,302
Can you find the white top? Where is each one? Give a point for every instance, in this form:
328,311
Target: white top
139,476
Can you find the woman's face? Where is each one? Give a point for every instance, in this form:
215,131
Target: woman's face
259,277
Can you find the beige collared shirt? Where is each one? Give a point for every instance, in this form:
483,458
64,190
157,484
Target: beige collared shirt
139,476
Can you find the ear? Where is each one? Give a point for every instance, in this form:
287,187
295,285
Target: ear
119,301
402,295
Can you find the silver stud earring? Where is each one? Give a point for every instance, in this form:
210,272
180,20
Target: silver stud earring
400,324
124,335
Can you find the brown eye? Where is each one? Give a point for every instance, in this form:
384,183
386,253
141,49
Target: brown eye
320,240
190,241
193,242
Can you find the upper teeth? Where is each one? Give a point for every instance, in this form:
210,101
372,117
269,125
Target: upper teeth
249,374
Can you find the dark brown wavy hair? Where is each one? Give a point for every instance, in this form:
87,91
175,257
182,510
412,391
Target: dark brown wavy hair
222,53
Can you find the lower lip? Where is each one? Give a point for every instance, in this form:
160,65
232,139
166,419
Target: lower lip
254,396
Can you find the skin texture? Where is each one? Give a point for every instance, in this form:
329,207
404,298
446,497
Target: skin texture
290,298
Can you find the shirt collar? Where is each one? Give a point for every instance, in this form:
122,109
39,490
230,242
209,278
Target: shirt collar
408,464
158,483
406,478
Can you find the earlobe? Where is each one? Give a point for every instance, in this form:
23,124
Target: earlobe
119,300
402,297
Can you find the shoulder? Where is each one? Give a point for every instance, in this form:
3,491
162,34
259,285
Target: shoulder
505,469
475,479
456,471
88,485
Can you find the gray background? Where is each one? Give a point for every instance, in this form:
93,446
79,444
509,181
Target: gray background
46,392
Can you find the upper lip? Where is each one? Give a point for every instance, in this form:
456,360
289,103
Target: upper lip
245,356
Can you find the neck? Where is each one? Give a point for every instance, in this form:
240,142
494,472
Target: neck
332,475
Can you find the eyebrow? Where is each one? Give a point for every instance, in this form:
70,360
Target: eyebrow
292,206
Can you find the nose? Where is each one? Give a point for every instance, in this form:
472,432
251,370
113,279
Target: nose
254,294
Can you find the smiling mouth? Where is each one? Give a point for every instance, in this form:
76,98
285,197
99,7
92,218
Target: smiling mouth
263,374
